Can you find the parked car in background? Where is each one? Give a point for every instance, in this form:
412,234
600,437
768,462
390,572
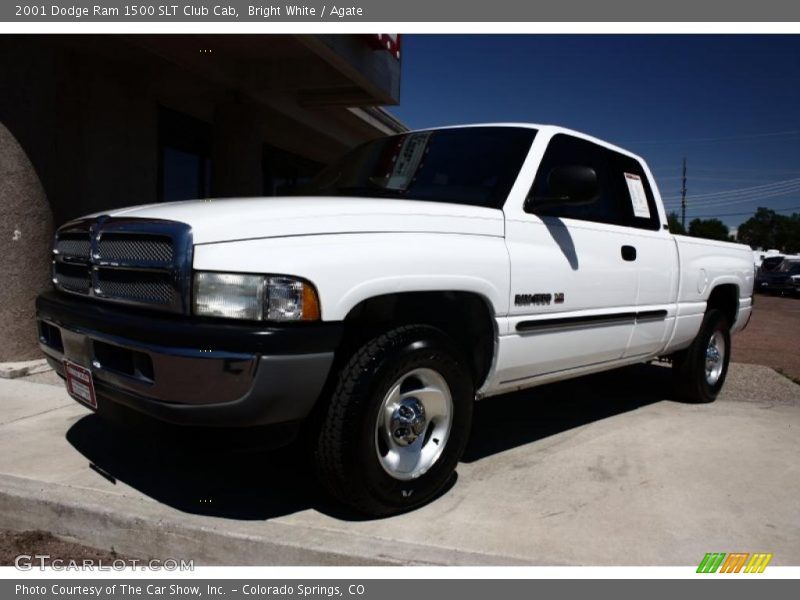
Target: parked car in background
783,279
766,265
794,284
760,255
770,263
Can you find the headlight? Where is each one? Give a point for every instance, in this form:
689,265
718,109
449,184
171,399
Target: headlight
254,297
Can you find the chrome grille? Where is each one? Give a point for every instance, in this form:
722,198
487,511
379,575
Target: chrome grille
73,278
150,288
132,247
140,262
74,245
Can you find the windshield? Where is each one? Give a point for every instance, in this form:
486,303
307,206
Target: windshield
771,262
790,266
470,165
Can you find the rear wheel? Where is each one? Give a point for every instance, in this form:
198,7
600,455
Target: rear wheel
699,371
397,422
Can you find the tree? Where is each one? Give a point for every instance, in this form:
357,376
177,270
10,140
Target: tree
767,229
760,230
675,225
787,236
712,229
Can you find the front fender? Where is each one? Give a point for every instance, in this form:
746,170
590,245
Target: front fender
350,268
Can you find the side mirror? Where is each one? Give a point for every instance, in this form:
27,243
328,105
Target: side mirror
568,185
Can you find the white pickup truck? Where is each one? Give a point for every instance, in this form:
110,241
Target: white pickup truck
419,273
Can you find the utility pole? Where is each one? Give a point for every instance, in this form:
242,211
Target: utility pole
683,195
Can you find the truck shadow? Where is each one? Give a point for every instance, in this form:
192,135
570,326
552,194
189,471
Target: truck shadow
515,419
182,470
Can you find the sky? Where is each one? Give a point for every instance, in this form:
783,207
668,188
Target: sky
729,104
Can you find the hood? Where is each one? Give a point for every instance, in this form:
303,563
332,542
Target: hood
252,218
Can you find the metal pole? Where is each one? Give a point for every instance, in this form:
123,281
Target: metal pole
683,195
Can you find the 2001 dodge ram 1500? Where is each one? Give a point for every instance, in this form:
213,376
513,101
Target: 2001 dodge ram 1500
418,273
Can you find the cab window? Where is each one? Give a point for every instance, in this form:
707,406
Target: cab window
625,196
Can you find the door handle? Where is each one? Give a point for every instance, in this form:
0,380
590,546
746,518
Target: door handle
628,253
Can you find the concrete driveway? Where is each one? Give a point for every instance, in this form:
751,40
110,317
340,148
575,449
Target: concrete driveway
604,470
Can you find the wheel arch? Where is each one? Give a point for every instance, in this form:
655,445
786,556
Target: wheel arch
725,298
466,317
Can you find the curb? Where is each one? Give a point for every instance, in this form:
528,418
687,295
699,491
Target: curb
106,521
13,370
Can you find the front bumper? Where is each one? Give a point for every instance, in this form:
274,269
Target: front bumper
188,371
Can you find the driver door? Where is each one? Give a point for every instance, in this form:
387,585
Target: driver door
573,271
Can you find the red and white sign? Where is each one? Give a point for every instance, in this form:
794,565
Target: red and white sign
386,41
80,384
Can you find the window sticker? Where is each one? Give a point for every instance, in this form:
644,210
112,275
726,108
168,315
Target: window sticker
408,160
638,197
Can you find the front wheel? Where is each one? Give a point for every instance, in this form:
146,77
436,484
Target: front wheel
699,371
397,422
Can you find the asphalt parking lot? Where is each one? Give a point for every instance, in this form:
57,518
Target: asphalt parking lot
773,336
605,470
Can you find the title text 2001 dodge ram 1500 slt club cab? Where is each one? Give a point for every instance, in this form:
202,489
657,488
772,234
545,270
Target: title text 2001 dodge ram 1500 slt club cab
418,273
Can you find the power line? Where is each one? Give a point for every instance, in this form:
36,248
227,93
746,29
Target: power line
712,200
768,187
741,214
717,205
696,178
749,189
761,173
740,199
730,202
730,138
746,170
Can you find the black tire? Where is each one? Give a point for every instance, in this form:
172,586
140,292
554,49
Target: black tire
346,457
689,366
